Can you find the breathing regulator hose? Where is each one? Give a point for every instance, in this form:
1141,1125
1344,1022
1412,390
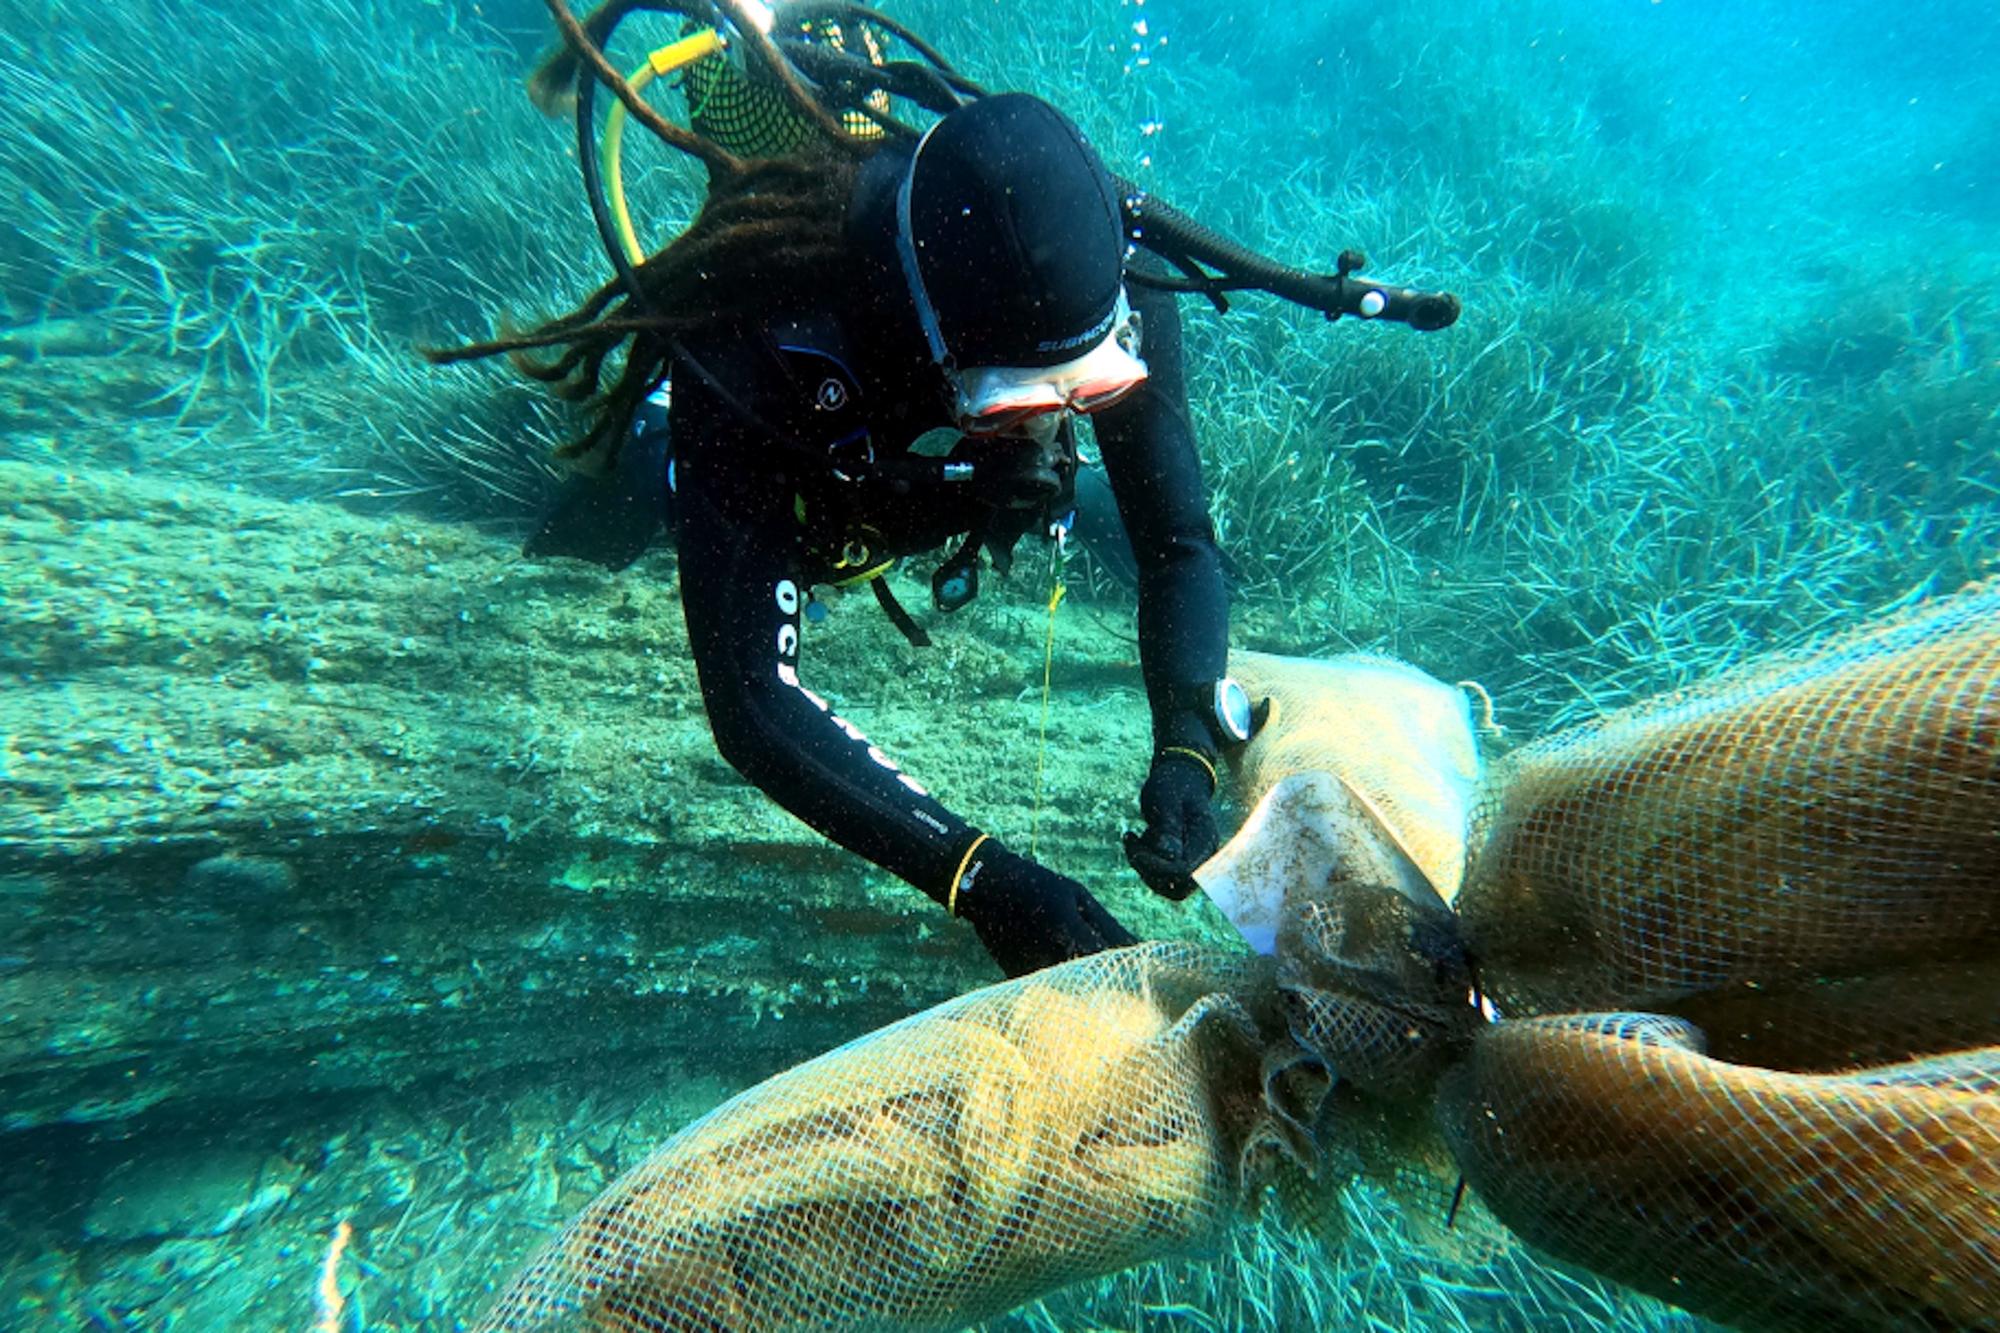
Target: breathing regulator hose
1187,245
593,187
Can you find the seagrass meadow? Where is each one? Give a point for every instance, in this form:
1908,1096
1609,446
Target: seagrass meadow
371,895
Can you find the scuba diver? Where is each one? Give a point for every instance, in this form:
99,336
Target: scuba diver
873,343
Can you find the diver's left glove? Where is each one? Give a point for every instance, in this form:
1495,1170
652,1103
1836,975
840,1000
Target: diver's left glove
1028,916
1180,827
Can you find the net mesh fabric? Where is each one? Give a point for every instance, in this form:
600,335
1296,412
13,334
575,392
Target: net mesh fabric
1399,741
1869,1199
943,1169
1745,937
744,110
1795,870
1825,815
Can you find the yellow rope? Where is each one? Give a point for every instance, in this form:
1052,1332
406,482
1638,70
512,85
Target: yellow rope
1048,670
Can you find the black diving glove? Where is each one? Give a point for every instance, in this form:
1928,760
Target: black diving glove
1028,916
1180,827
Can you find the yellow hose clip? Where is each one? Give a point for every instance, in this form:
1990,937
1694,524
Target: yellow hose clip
686,51
856,556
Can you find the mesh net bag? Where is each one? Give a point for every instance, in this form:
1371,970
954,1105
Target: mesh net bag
1869,1199
1795,870
946,1168
1363,774
745,111
1399,742
1824,820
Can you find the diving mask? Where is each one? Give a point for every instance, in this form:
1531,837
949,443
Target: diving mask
1001,400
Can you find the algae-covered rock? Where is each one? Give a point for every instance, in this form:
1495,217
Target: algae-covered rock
294,801
199,1192
226,877
55,337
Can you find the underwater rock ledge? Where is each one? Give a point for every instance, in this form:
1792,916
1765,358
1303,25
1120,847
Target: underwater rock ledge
294,801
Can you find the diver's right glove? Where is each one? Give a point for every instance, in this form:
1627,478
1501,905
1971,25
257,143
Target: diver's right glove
1180,827
1028,916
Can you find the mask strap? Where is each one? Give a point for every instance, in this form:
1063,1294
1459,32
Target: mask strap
906,250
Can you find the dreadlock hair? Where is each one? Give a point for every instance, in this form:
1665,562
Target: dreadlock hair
763,243
768,233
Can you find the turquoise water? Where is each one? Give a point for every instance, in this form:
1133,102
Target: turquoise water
358,871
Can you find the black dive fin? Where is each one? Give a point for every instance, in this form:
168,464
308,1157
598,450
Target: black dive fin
609,521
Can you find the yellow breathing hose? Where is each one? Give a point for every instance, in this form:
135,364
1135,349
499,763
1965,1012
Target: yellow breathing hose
676,55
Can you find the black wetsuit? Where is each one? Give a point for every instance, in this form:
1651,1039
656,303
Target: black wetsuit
773,431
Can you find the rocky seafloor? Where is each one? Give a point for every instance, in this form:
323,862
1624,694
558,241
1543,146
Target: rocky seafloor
358,869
